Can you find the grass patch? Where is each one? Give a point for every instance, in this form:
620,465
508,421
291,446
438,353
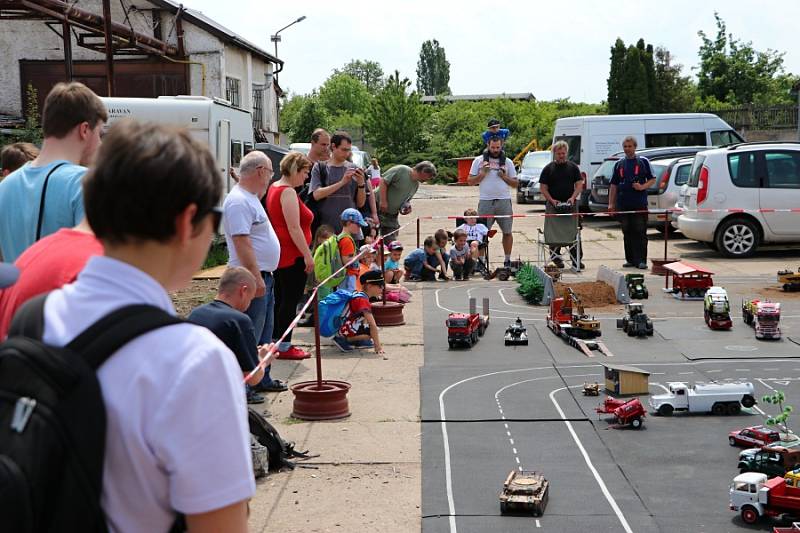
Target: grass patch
291,421
217,254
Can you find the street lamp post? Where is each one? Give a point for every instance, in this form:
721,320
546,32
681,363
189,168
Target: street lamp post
276,38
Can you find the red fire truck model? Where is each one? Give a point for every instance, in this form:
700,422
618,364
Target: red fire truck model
626,412
466,329
764,317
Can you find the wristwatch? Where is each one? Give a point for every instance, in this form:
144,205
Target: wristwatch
362,186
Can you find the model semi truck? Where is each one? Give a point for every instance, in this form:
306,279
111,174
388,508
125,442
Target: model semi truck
716,398
753,495
717,309
467,328
764,317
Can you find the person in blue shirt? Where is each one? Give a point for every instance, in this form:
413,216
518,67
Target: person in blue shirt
632,177
494,131
72,122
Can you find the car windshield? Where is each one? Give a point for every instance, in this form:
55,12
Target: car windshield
536,160
605,170
457,322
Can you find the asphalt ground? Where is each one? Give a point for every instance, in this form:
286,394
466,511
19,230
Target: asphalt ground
492,408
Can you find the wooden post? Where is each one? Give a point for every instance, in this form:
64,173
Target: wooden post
65,30
109,46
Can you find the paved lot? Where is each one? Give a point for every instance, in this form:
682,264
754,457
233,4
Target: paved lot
494,408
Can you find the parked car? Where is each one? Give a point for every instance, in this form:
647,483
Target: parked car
754,436
593,138
748,176
529,172
671,168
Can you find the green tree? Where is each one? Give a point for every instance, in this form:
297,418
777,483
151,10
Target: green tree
370,73
732,71
635,95
615,105
342,94
301,115
433,70
32,132
673,93
395,119
784,411
650,74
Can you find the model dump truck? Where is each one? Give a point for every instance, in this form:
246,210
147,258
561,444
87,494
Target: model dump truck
789,279
717,398
775,459
635,322
524,492
764,317
467,328
754,496
717,309
636,287
626,412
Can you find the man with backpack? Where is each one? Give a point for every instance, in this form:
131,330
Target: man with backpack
129,407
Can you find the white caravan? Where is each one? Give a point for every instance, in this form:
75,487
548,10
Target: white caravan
592,138
227,130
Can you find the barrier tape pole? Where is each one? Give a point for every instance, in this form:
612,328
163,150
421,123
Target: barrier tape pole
317,342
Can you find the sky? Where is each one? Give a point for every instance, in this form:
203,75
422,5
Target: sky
551,49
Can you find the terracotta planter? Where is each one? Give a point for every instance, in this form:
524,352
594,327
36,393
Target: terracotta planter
328,402
388,313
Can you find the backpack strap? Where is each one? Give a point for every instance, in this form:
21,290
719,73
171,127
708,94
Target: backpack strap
41,201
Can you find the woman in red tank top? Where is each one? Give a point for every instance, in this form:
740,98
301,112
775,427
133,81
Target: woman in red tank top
291,220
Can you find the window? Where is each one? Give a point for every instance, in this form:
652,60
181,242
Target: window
721,138
574,152
236,153
742,167
232,92
682,174
536,160
783,170
694,174
660,140
258,107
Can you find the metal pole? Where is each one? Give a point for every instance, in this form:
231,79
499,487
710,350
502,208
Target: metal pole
109,46
666,233
383,275
65,30
417,232
317,341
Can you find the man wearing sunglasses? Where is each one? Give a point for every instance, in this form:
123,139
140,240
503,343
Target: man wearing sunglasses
253,244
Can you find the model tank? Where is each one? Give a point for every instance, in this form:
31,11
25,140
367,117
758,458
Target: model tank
524,492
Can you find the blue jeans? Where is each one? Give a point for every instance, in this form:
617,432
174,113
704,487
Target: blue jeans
261,312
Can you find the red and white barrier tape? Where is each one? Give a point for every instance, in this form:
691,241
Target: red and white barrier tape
618,212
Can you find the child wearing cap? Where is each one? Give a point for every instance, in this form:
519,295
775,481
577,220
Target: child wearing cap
352,222
494,130
391,266
359,328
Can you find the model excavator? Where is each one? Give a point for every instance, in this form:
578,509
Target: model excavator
531,146
567,319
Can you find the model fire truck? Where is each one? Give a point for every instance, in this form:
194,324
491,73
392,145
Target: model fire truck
754,496
789,279
764,317
635,322
567,319
636,287
717,309
466,329
626,412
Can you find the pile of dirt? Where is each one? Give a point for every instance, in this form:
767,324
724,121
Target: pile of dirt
591,293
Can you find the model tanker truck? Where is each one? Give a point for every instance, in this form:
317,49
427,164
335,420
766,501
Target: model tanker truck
764,317
716,398
717,309
753,496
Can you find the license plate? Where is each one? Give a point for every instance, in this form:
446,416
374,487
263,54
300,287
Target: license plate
602,192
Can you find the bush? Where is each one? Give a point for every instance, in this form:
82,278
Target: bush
217,254
530,286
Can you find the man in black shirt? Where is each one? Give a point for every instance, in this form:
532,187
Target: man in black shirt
226,319
561,183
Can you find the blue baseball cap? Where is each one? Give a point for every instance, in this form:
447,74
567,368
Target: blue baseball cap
8,275
353,215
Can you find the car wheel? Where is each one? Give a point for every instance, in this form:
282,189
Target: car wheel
734,408
636,423
748,401
737,238
749,515
665,410
718,409
731,441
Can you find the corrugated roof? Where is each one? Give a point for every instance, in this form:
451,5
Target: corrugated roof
626,368
680,267
199,19
476,97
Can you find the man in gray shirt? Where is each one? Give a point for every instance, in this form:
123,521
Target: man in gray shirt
339,185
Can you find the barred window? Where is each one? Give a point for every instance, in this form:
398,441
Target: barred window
232,92
258,107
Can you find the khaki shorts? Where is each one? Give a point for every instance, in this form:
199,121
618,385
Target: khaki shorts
497,207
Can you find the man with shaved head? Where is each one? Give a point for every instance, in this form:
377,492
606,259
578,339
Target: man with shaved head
252,244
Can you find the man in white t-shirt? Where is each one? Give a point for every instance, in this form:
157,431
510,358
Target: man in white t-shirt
495,177
253,244
177,436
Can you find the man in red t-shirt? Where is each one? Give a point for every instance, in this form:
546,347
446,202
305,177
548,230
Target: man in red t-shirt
47,265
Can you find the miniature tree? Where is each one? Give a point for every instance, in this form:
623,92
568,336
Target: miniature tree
784,411
530,286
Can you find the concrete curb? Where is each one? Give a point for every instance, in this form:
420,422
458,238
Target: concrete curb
617,282
549,291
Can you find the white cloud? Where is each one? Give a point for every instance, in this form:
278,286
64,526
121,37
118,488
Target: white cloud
552,50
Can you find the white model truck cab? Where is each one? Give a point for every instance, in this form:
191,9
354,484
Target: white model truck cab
748,489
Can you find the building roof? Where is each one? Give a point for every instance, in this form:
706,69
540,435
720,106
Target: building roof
626,368
476,97
215,28
679,267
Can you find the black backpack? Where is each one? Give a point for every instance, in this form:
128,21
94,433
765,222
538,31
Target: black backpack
305,193
53,419
280,451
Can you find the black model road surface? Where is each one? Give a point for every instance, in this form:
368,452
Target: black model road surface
491,409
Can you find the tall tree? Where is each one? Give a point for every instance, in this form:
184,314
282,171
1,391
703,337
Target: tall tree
635,95
650,73
342,94
674,93
433,70
395,119
732,71
370,73
301,115
615,105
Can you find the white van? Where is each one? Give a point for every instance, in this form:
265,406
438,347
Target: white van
227,130
592,138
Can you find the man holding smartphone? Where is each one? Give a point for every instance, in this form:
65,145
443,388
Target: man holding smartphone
337,184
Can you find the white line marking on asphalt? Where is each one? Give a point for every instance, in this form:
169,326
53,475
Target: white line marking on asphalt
588,460
514,450
770,387
509,435
770,369
685,373
511,441
537,523
741,370
506,425
713,371
517,458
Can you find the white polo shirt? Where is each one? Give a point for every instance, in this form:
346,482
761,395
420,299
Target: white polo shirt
492,187
177,435
243,214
